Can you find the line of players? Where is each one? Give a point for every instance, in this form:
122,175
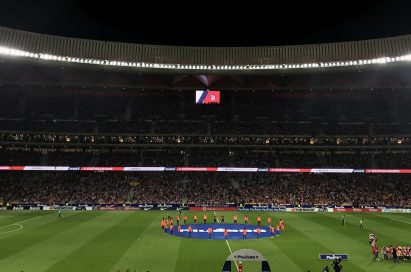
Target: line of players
168,225
395,253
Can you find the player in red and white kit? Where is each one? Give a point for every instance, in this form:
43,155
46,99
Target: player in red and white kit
240,267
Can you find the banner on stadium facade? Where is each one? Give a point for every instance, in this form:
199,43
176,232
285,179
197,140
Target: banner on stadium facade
290,170
144,169
236,169
39,168
203,169
388,171
101,169
331,170
196,169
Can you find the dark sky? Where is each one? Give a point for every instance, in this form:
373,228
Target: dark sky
204,23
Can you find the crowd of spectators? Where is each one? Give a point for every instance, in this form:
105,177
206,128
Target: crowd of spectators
62,188
205,127
206,157
219,189
247,129
153,140
245,113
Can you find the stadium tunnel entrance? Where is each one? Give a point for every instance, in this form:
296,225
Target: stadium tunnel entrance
234,231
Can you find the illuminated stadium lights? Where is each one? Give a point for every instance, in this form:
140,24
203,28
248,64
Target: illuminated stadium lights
20,53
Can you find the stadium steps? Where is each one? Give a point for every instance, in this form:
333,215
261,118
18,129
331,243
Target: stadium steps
235,183
76,111
129,110
22,105
43,159
184,191
373,162
130,195
371,130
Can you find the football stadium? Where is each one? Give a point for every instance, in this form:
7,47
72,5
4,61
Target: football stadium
126,157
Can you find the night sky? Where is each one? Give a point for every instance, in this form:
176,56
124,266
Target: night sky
211,24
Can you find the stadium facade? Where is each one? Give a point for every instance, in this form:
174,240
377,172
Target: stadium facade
84,105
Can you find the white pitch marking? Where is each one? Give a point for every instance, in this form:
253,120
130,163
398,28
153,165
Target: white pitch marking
20,222
400,221
229,248
20,227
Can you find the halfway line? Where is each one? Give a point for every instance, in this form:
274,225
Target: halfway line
229,248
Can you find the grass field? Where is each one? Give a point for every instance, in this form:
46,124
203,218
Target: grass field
97,241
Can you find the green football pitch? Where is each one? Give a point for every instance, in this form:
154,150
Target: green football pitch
97,241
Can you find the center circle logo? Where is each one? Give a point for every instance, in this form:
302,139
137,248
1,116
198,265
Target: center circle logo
222,231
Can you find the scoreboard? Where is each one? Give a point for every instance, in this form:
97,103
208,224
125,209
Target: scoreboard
207,97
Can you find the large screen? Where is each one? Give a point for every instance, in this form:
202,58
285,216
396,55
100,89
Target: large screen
207,97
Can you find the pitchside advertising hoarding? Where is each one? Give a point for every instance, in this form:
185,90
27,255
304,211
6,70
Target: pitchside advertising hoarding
143,207
204,169
268,208
329,257
338,209
396,210
177,207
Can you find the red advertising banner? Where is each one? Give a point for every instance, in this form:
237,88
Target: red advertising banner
101,168
290,170
196,169
387,171
203,169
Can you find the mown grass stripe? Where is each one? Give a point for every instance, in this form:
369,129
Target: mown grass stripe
270,247
44,254
352,228
350,239
102,252
28,237
153,250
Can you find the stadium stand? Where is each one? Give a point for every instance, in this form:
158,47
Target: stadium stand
211,189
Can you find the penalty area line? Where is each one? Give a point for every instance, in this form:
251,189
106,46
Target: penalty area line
226,241
17,223
20,227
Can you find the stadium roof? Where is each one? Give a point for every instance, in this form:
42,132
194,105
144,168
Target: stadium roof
211,24
204,59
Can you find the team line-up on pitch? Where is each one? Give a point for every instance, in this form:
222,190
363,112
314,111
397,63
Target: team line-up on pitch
167,225
169,220
221,230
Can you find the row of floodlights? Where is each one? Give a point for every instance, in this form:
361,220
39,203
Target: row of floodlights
14,52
